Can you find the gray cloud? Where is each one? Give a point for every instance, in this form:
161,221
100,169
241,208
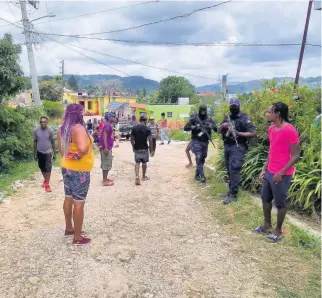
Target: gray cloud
253,22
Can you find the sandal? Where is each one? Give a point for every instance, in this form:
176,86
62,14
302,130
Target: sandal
145,178
260,230
272,238
137,181
108,183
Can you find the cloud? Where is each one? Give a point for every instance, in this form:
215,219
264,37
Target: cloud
246,22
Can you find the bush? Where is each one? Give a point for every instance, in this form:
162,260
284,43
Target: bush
179,135
16,129
305,191
53,109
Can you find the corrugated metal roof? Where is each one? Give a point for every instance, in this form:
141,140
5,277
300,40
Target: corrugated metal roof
114,106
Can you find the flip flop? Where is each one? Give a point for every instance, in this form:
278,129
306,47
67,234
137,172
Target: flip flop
145,178
274,238
260,230
108,183
137,181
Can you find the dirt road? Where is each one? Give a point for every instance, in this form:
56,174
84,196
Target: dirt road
154,240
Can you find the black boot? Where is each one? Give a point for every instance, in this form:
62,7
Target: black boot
203,179
230,198
198,178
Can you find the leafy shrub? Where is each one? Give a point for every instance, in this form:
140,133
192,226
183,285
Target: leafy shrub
305,191
53,109
179,135
16,141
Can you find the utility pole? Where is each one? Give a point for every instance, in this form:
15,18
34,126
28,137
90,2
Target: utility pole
62,68
31,58
303,43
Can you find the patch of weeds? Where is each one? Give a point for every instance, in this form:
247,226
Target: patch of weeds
305,240
293,265
21,171
287,294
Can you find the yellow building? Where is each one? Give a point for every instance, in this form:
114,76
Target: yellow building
93,105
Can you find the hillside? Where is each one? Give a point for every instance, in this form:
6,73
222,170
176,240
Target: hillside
240,87
128,83
135,83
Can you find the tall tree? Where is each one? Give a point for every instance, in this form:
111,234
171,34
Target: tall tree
12,80
72,83
51,90
173,87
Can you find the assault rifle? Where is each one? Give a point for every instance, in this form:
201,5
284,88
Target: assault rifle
232,130
204,130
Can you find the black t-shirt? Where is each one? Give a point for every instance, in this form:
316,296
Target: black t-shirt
89,125
141,133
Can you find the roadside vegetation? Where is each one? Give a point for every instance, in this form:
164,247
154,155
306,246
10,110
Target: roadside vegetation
305,191
292,267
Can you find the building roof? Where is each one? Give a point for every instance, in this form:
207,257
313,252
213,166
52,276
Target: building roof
115,106
138,105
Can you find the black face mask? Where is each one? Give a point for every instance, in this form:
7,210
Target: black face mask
202,112
234,110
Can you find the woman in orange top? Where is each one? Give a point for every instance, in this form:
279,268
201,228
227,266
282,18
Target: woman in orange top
75,145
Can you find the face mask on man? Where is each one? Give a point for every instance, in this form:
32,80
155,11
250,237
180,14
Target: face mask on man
234,110
203,112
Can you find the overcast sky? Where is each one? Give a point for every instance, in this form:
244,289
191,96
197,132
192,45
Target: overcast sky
242,22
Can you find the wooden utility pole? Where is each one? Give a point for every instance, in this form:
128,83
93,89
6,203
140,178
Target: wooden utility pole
303,43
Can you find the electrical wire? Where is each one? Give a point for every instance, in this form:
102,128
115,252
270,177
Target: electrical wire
196,44
101,11
89,57
160,21
131,61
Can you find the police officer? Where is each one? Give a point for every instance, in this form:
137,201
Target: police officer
201,127
234,153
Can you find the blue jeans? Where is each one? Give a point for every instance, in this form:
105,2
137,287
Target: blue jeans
164,135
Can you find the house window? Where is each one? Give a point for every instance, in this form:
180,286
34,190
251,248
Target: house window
90,105
169,114
79,94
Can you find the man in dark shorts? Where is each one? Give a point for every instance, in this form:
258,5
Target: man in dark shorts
140,136
276,176
154,132
44,150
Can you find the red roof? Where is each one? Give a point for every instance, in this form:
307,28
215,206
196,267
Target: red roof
138,105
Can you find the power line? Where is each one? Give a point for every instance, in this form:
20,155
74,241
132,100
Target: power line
89,57
168,43
101,11
160,21
134,62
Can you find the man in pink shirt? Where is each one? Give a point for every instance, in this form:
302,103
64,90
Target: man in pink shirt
276,176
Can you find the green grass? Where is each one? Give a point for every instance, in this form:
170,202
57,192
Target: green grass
21,171
293,265
179,135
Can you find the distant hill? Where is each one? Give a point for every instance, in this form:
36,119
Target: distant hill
132,83
248,86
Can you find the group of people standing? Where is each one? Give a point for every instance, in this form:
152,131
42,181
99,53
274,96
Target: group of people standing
75,144
276,176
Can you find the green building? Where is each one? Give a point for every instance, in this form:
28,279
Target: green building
172,112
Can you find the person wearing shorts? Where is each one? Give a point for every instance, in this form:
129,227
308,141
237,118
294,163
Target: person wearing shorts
276,176
154,132
106,145
188,149
76,148
44,150
140,136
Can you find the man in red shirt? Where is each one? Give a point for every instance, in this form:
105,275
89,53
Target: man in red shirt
276,176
